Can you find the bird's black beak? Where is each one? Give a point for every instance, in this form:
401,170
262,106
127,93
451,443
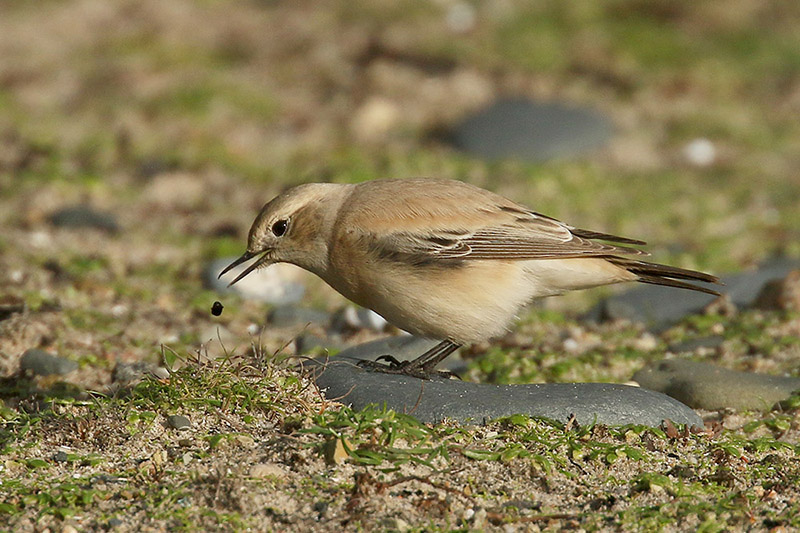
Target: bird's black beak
243,259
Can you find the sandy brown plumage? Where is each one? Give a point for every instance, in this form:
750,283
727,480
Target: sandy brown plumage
441,258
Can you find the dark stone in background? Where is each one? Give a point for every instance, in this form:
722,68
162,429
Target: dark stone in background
707,386
44,363
531,131
83,216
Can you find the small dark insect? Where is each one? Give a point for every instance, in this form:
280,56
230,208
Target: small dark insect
216,308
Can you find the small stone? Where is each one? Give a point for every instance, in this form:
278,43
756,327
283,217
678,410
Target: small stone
352,318
321,507
395,524
83,216
375,119
160,373
159,458
701,345
285,316
60,456
245,441
10,305
479,518
278,284
216,308
267,470
179,422
780,294
42,363
461,17
114,522
646,343
700,152
721,306
334,451
130,373
69,529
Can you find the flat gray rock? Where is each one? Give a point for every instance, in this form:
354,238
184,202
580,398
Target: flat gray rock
432,401
44,363
179,422
531,131
661,307
707,386
83,216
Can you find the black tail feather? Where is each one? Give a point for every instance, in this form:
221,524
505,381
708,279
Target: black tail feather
669,276
588,234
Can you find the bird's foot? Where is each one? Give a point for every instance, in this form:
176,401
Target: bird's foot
404,368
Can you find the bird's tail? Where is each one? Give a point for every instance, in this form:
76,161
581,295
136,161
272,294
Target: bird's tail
656,274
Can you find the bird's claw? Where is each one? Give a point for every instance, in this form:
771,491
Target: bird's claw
404,368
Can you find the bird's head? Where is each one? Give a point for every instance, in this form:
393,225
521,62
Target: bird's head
294,227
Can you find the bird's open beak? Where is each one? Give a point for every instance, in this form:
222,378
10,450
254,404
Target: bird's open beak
245,257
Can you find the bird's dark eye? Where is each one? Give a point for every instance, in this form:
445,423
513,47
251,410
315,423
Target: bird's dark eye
280,227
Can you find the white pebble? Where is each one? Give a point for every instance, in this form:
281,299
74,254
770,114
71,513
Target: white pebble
571,346
700,152
460,17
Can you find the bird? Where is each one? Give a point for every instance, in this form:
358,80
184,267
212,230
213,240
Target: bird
441,258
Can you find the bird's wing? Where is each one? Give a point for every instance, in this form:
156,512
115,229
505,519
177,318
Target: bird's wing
525,235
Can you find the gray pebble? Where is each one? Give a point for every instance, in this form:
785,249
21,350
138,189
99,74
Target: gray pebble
531,131
61,457
712,342
285,316
707,386
43,363
82,216
114,522
10,305
265,285
432,401
178,422
355,318
127,373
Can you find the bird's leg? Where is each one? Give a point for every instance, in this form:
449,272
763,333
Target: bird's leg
421,367
428,361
